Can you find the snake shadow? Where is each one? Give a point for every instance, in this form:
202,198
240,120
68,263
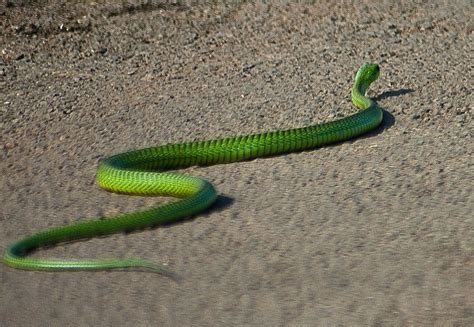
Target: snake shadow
388,119
221,203
392,93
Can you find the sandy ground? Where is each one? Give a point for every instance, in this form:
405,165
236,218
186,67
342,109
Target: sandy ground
376,231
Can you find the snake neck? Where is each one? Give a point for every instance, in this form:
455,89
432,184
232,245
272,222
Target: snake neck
358,95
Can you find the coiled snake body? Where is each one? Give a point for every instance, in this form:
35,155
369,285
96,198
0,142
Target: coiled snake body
136,172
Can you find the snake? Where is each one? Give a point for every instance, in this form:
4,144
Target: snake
147,172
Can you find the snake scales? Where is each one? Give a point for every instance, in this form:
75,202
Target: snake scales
138,172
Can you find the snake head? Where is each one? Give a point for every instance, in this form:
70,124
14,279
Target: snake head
366,74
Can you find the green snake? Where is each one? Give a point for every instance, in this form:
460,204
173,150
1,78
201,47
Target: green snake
141,172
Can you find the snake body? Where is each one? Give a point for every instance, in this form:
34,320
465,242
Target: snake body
140,172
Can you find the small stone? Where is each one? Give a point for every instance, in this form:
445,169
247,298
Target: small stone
102,51
9,146
31,29
416,115
192,37
248,67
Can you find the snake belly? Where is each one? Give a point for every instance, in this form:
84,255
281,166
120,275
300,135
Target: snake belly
143,172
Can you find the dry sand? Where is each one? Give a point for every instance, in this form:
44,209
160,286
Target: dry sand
376,231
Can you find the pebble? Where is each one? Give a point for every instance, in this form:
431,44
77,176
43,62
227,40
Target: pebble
102,51
416,115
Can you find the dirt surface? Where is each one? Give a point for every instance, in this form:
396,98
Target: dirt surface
376,231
